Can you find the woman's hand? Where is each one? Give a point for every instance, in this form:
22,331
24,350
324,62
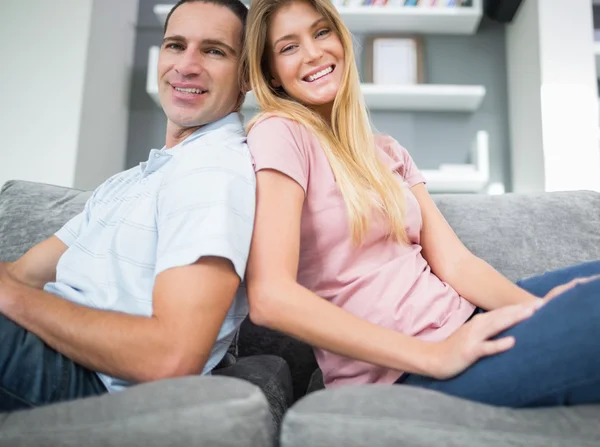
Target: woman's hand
473,340
564,287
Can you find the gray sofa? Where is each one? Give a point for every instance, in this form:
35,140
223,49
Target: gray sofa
521,235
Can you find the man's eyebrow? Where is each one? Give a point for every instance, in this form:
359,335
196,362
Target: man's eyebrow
215,42
219,43
291,36
175,38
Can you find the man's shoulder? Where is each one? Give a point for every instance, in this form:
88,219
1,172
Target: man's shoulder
230,154
120,178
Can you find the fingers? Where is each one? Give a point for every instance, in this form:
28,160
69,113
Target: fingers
497,346
501,319
558,290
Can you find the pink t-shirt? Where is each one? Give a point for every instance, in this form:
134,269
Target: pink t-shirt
382,281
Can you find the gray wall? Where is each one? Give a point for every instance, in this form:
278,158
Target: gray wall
431,138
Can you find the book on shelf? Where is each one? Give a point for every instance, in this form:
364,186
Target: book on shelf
406,3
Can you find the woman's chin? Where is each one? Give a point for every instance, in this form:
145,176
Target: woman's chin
319,101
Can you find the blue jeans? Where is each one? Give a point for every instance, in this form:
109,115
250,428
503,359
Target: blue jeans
556,357
33,374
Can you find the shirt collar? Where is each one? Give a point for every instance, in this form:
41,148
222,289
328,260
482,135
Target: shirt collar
229,124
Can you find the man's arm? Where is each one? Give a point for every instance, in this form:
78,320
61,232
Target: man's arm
190,305
38,266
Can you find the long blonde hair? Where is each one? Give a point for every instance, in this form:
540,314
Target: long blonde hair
364,180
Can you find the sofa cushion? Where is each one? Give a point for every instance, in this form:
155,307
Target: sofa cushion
254,340
524,235
211,411
399,415
272,375
32,212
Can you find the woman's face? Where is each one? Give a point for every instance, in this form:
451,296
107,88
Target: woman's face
306,56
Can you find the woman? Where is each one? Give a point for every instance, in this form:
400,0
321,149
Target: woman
351,255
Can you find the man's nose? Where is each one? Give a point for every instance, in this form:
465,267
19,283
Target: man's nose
190,63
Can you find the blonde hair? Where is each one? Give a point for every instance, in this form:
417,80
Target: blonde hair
364,180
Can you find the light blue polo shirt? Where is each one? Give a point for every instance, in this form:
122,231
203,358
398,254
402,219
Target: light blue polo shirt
193,200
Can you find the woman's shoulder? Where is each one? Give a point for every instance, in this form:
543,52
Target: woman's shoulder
275,125
389,146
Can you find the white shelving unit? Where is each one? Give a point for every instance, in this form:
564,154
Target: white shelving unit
472,177
421,97
386,19
464,178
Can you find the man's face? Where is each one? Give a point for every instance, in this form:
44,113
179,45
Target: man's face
198,64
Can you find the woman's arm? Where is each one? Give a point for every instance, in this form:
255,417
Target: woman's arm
453,263
277,301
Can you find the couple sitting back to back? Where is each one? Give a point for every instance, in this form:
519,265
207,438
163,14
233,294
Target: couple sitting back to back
335,236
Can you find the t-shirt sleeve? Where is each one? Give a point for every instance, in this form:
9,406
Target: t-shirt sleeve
407,167
205,208
71,230
276,143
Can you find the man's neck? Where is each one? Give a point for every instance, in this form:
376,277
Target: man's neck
176,134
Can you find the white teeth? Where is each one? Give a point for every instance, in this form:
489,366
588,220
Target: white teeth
189,90
320,74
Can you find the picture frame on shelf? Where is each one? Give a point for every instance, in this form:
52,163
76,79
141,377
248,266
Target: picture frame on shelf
392,59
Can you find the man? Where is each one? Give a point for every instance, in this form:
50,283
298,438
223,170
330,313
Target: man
144,283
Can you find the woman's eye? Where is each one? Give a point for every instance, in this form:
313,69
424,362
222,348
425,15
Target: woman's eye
323,32
216,52
289,47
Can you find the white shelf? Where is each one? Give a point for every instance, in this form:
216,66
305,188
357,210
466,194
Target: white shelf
424,97
415,98
390,19
424,20
468,178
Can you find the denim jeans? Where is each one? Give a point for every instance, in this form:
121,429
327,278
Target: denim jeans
33,374
556,357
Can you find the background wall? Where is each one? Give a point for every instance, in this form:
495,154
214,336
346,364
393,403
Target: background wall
431,138
64,89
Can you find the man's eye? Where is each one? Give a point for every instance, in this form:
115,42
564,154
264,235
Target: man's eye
174,46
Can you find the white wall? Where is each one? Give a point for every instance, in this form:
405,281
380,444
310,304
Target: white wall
57,97
105,111
41,86
553,97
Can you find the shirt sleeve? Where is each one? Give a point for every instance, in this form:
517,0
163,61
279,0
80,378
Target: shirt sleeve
205,207
70,231
276,143
407,167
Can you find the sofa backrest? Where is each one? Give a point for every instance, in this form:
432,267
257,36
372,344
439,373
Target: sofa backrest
527,234
519,234
31,212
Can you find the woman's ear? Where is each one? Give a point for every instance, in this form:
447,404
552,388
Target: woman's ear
275,83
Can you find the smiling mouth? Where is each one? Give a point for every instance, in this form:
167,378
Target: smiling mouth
195,91
319,75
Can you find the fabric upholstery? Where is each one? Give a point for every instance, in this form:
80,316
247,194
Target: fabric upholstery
394,415
272,375
32,212
524,235
255,340
211,411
